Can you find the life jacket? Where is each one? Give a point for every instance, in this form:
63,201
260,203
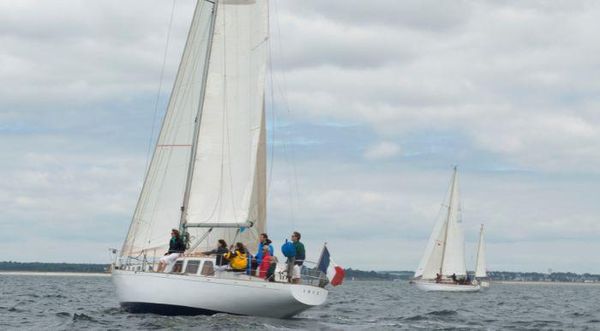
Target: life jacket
237,260
264,266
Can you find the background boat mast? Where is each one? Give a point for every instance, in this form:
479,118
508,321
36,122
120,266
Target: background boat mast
448,219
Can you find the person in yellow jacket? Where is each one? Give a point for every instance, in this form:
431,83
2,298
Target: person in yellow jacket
238,259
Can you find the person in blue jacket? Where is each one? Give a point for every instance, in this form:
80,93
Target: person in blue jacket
263,241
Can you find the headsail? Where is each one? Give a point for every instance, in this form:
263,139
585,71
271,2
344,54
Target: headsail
158,207
432,259
480,271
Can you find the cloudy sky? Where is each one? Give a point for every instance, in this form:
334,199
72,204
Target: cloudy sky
372,104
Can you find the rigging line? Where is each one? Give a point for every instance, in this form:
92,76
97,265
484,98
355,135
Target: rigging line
291,160
283,94
280,44
288,148
160,83
291,191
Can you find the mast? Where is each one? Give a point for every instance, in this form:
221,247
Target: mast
190,174
448,219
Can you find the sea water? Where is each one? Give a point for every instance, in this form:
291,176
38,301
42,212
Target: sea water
38,302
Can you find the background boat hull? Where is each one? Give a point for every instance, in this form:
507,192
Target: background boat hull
441,287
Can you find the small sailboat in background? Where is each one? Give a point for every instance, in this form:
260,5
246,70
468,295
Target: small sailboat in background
443,267
480,269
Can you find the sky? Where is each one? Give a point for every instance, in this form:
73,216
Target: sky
372,104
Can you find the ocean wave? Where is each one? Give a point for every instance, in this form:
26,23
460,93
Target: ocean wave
83,317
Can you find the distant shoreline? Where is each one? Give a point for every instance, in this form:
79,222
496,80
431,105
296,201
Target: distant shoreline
57,273
518,282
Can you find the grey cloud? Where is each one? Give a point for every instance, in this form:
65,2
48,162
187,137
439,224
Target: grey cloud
418,14
84,51
513,80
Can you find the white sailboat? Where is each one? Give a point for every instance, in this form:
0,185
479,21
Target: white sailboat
480,268
207,177
444,260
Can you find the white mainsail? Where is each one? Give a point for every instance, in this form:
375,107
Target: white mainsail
454,255
480,271
445,252
228,182
220,84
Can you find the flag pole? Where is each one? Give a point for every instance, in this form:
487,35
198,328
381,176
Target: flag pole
321,256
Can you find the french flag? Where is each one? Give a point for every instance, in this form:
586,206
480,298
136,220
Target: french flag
334,273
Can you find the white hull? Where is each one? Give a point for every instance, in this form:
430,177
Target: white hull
445,287
175,294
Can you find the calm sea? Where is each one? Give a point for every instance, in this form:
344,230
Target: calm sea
89,303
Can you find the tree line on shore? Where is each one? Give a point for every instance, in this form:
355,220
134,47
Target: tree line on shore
351,274
52,267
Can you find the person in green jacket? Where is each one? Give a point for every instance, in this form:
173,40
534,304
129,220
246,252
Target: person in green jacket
299,258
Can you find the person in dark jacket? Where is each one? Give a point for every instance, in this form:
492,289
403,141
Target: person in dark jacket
299,258
454,279
176,249
219,251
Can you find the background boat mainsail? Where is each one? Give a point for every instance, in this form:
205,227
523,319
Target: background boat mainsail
228,183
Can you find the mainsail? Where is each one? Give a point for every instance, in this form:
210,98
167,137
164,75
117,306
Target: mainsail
210,156
445,252
480,271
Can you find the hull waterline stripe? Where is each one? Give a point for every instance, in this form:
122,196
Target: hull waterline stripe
163,309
